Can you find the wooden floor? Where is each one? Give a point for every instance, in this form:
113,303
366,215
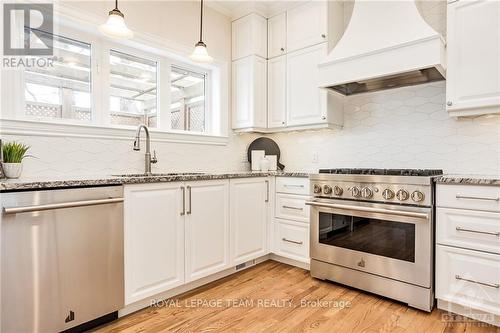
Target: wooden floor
271,296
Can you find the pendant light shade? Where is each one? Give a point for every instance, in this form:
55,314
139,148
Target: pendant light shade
200,53
115,26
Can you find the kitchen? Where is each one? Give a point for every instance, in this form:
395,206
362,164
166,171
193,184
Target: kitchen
353,98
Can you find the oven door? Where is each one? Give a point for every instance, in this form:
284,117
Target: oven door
388,240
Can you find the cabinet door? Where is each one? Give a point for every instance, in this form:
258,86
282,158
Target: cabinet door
249,92
276,85
473,47
249,36
306,25
276,35
154,239
306,102
207,228
249,202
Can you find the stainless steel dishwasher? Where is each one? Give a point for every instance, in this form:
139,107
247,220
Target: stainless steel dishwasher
62,258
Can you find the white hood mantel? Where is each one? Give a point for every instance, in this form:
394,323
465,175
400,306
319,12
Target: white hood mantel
387,44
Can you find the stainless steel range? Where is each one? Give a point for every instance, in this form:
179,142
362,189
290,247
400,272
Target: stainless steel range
373,229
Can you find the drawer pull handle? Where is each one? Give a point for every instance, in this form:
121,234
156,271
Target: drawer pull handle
294,208
288,185
478,231
292,241
458,196
496,285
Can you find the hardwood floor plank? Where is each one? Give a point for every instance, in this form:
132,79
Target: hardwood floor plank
275,297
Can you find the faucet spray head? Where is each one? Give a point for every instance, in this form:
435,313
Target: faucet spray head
137,144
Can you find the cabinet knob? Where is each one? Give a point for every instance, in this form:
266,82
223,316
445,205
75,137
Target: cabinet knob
323,36
323,118
449,103
282,49
282,123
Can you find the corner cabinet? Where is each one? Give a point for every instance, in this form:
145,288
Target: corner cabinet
153,239
249,211
249,36
249,93
473,62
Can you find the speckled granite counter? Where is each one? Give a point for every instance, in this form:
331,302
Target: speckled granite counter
469,179
85,181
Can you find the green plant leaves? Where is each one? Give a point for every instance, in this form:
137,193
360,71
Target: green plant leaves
14,152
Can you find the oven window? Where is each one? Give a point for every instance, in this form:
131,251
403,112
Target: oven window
381,237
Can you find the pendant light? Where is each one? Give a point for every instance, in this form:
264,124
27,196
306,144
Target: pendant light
200,53
115,26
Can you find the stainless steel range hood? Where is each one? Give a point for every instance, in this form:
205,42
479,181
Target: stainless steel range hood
387,44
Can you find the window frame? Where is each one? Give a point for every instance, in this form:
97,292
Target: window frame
18,123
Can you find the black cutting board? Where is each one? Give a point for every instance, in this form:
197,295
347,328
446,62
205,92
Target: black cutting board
269,146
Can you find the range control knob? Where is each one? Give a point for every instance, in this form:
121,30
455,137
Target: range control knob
316,189
327,189
388,194
355,191
417,196
367,192
402,195
338,191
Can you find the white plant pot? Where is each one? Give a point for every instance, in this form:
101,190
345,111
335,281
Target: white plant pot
12,170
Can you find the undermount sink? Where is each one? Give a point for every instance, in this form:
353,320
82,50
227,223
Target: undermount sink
172,174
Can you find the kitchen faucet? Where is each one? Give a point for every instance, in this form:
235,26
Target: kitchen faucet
137,146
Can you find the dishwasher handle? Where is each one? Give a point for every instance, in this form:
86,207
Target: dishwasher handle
71,204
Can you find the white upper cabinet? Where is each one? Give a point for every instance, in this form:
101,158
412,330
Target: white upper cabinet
249,36
249,204
307,104
276,35
276,88
154,239
249,93
207,228
473,48
306,25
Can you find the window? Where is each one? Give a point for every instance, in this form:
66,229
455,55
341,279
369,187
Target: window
64,90
133,90
188,100
115,87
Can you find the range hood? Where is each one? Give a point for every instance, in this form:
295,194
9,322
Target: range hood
387,44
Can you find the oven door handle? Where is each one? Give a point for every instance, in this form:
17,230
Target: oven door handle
369,209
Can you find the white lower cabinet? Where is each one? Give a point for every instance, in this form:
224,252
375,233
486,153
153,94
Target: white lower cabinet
468,278
154,239
174,233
207,228
291,240
249,204
468,251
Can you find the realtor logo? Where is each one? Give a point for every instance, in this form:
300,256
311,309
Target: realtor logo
36,24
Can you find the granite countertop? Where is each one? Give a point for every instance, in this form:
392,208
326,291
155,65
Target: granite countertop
99,180
469,179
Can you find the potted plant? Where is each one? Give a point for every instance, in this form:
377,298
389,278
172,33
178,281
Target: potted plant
13,155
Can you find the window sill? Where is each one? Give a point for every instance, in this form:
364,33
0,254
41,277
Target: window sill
51,129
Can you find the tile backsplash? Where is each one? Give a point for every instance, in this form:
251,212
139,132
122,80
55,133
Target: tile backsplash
400,128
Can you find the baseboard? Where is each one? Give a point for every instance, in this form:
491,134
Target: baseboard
288,261
467,312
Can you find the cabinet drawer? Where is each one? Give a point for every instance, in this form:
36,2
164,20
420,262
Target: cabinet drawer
292,241
469,197
292,185
469,229
292,207
468,278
